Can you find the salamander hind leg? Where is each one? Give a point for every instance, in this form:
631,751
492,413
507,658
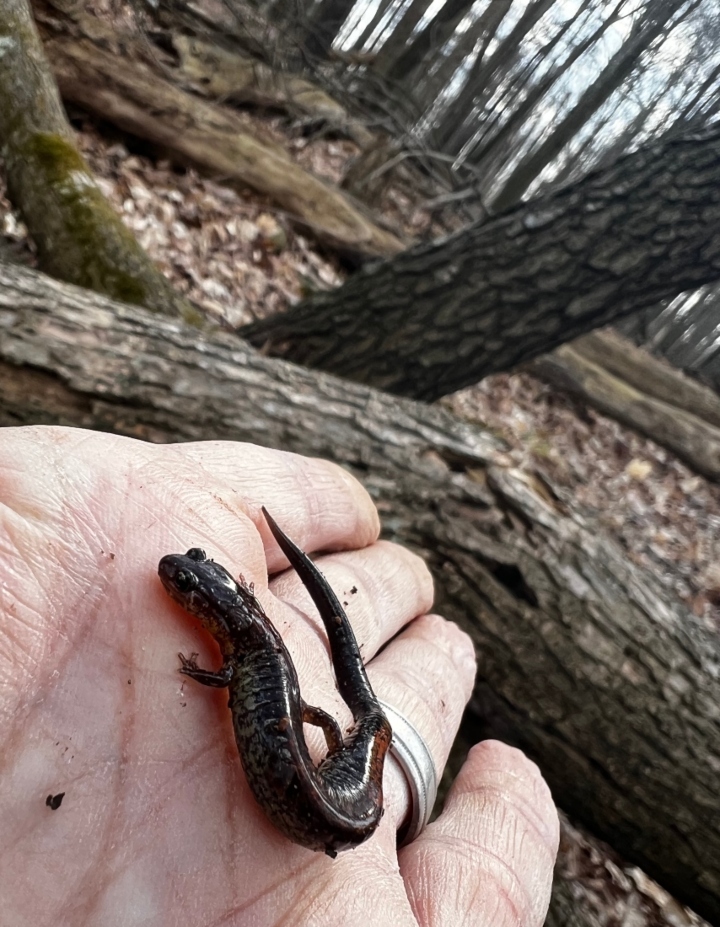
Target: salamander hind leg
218,680
330,727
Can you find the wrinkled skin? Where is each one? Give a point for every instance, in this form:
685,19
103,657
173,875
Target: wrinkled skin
157,825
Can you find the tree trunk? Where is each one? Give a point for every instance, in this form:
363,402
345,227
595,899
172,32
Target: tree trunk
619,67
583,660
79,236
517,112
570,167
482,31
484,71
323,24
430,41
443,316
372,25
399,37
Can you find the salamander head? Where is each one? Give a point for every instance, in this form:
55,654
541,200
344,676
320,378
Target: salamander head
203,588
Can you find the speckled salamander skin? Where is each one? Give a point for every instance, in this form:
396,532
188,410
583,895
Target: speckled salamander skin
330,807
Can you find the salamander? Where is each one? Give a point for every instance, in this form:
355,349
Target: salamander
329,807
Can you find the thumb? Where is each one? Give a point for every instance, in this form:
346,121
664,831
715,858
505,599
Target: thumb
488,859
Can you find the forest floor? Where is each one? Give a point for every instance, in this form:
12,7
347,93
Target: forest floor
238,257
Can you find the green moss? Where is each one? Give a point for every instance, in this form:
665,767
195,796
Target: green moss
55,156
90,246
80,237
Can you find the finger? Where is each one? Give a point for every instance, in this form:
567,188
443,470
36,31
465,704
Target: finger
316,503
381,588
204,493
488,859
427,675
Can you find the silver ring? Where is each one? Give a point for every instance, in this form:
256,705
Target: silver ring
415,759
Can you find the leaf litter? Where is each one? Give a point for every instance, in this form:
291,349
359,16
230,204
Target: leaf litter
665,517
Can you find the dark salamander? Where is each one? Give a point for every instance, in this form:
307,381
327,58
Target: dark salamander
329,807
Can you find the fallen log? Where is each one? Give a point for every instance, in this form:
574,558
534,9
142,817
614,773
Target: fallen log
583,658
593,887
134,96
647,394
221,74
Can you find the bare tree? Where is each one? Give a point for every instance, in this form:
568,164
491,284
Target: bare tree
646,31
484,70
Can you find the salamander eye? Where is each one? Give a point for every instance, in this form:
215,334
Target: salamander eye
196,553
185,580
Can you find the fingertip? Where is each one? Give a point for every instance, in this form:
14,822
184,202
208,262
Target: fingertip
406,567
492,764
317,503
427,674
461,650
489,856
368,526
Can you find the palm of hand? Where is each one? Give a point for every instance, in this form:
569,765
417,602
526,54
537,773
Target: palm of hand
157,824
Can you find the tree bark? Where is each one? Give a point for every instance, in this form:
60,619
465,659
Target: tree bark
583,660
443,316
79,236
593,887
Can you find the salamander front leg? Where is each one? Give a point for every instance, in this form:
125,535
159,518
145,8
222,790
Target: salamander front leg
218,680
330,727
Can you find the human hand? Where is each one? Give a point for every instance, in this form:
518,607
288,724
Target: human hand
157,825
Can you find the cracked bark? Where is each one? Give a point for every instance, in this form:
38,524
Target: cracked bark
442,316
584,659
